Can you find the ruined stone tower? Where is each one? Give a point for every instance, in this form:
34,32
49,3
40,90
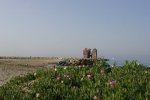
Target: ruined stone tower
86,53
94,53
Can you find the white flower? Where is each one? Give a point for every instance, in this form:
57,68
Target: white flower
145,72
37,95
35,74
102,71
95,98
65,68
89,76
62,81
55,69
67,75
112,65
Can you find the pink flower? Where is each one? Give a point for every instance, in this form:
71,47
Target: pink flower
58,78
112,83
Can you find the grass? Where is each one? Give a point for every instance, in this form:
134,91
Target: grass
97,82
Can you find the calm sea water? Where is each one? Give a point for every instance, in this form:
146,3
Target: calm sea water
122,62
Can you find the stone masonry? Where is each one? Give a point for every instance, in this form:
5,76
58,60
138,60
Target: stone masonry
88,54
94,53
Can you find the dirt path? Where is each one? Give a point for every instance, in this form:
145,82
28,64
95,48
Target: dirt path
8,73
9,68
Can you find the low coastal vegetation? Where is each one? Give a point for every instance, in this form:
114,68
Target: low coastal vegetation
98,82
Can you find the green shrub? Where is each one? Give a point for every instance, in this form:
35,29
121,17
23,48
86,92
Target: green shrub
98,82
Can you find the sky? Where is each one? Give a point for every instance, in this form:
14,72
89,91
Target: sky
119,29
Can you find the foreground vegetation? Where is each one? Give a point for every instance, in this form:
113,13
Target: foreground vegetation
97,82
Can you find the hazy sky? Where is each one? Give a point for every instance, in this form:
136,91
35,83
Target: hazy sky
117,28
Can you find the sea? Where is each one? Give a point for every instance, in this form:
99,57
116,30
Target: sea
122,62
